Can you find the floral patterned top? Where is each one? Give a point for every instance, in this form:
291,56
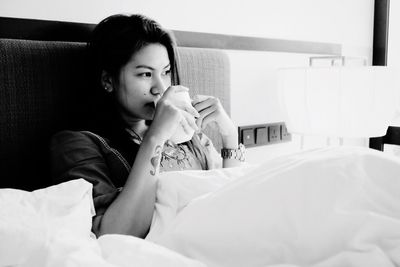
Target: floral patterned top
183,156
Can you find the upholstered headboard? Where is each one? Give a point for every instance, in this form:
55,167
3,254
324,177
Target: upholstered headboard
43,87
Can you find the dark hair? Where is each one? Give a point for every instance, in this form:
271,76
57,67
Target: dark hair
116,38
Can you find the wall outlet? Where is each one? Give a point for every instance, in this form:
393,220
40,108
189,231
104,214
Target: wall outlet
274,133
285,135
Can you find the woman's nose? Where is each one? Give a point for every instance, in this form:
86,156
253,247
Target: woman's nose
158,87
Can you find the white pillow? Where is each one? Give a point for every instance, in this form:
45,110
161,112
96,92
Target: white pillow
28,219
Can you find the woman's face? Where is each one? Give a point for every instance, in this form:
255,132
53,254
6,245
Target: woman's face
142,82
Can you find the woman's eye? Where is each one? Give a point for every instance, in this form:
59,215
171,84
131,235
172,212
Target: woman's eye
145,74
167,72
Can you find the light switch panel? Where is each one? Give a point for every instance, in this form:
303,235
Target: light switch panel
261,135
248,137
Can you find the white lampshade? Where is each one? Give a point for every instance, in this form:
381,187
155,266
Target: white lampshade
338,101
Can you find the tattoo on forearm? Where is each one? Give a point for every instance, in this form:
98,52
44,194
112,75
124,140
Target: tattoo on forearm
155,160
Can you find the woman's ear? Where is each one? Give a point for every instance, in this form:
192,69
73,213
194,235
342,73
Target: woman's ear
106,81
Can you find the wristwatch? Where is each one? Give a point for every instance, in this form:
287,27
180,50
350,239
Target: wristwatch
237,153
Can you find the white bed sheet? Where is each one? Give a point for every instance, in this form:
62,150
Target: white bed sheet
325,207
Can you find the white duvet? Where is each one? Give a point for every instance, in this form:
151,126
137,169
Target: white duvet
51,228
326,207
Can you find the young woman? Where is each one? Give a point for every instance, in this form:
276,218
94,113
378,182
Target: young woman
134,63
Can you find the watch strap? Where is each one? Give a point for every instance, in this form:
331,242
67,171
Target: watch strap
237,153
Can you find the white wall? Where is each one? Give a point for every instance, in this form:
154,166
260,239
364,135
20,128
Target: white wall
394,35
320,20
393,60
254,95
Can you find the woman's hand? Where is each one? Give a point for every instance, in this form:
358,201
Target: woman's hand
170,114
211,110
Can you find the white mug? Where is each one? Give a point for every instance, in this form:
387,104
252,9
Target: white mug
180,136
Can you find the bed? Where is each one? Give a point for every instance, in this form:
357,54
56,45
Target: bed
323,207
